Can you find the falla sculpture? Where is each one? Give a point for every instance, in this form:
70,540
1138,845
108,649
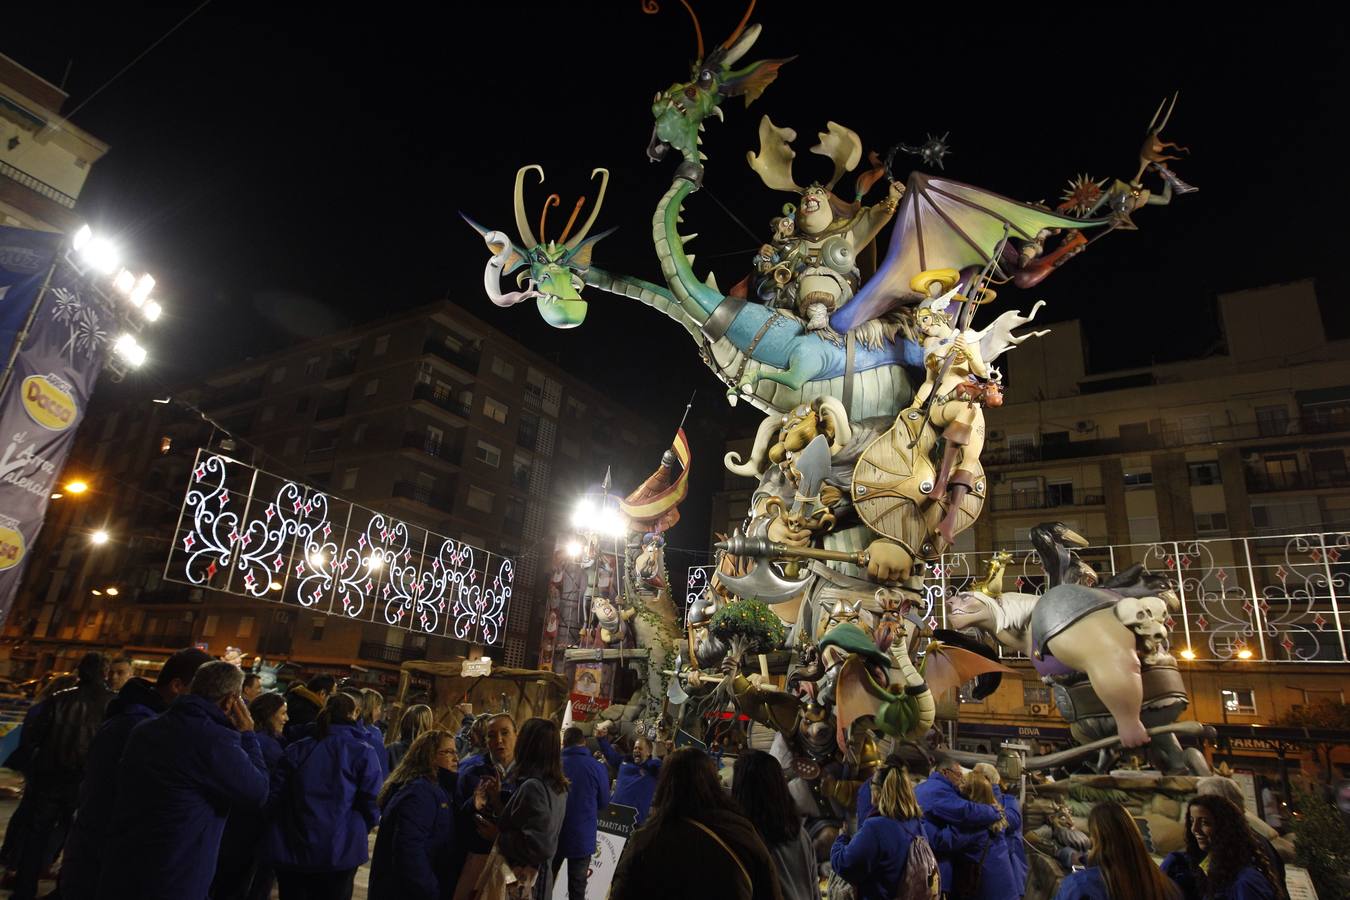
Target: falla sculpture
861,348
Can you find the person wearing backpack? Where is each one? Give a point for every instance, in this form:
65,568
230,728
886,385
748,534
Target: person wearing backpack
944,806
892,855
323,807
759,787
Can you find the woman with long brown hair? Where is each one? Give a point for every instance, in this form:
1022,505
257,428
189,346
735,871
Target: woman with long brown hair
1221,861
894,848
1119,867
413,854
527,825
695,843
984,870
416,720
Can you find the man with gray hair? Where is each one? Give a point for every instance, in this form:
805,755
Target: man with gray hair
180,776
1218,786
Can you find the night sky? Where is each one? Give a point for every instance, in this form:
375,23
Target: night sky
285,170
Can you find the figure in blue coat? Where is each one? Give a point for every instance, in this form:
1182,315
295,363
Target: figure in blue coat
472,840
138,701
1012,835
945,807
638,772
587,796
179,777
876,860
1221,861
372,710
323,806
240,875
413,850
1119,864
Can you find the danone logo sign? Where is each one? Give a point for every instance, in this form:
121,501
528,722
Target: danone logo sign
47,403
11,547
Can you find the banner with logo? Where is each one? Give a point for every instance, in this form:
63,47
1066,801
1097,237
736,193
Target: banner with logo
48,391
615,826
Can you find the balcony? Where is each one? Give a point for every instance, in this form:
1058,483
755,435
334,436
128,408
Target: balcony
331,409
377,651
441,500
37,185
340,366
446,451
441,400
234,394
1268,482
1043,500
1168,438
513,527
466,359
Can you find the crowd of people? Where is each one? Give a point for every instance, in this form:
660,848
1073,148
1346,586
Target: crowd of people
202,784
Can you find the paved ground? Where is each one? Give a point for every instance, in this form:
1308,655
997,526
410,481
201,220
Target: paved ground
8,803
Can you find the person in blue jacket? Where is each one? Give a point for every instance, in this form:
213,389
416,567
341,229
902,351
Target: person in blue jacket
239,873
180,774
986,857
638,772
876,859
372,710
1221,861
1012,835
1119,867
496,762
322,806
944,807
138,701
412,859
586,799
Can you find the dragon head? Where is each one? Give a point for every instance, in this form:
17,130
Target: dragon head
680,109
555,268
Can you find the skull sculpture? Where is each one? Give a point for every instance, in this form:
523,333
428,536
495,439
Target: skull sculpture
1146,617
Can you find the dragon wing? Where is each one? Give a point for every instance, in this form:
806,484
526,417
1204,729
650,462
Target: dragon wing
946,667
944,224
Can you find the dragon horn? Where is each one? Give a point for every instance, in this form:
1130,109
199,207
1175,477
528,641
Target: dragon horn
698,29
726,45
553,200
595,210
527,237
1167,118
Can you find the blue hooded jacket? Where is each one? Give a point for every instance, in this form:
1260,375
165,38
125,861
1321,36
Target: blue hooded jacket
179,777
943,805
990,853
413,847
471,771
1083,885
1017,851
636,785
375,737
322,802
587,795
137,702
1249,884
874,859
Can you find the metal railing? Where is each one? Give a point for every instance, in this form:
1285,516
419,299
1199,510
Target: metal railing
466,360
448,451
1266,482
408,490
390,653
37,185
1044,500
441,399
1271,598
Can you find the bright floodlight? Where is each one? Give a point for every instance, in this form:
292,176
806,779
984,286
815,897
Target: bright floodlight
151,311
101,255
77,486
141,292
574,549
99,537
124,281
611,523
112,591
583,518
127,348
81,238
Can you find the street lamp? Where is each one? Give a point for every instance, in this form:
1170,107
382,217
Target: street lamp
77,486
99,538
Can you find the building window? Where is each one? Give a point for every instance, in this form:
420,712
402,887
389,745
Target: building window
1315,696
313,364
1034,693
349,479
1211,524
1136,479
1272,421
570,448
278,374
372,387
503,369
209,626
575,408
520,471
1196,430
1205,472
967,692
1238,701
381,345
1022,538
480,500
1021,447
316,628
1327,468
1291,515
495,410
165,444
245,627
1059,493
359,433
488,454
1144,530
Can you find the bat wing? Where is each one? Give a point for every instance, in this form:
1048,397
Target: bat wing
944,224
946,667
